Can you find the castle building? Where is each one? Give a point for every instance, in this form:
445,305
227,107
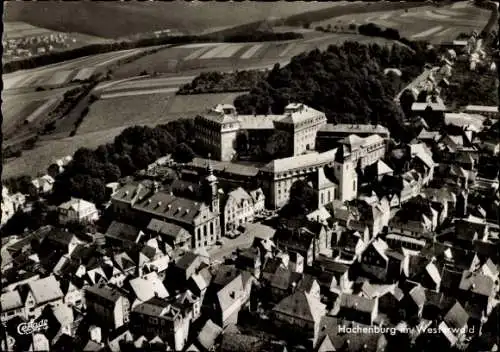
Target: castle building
329,135
217,130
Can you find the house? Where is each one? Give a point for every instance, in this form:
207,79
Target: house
12,305
72,291
356,308
457,318
374,260
238,209
478,289
77,210
43,185
300,314
420,270
259,200
147,287
250,260
121,233
118,337
208,335
159,317
110,307
62,241
336,335
377,171
390,299
60,320
228,293
198,283
175,236
41,293
414,301
188,265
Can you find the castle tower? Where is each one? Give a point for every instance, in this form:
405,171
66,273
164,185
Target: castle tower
211,188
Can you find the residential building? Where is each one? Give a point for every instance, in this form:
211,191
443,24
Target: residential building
238,210
12,305
43,185
177,237
356,308
41,293
107,305
300,314
77,210
159,317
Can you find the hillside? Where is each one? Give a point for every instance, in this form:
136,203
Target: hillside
93,18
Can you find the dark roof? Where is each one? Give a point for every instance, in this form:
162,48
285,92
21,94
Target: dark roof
107,293
122,231
167,229
187,260
169,206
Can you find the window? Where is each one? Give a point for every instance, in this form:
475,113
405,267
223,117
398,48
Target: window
211,228
329,197
322,198
354,185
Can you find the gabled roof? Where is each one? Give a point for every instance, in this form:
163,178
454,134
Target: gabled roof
46,289
302,306
168,229
208,334
11,300
147,288
105,292
477,283
122,231
456,317
417,294
358,303
77,205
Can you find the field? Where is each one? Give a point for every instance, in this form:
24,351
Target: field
196,58
136,17
60,74
144,109
430,23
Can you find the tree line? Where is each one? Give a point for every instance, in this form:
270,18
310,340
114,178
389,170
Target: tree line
346,82
93,49
134,149
216,82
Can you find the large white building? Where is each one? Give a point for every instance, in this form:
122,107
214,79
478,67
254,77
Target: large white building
77,210
218,129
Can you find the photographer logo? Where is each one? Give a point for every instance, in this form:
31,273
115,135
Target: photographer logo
32,327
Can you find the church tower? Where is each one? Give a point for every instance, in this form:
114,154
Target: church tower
211,189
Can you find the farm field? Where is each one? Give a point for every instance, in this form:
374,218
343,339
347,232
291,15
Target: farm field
53,74
434,24
151,108
137,17
196,58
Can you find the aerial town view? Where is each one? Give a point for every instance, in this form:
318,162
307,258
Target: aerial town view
250,176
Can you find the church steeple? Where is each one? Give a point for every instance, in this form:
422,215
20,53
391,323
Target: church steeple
211,188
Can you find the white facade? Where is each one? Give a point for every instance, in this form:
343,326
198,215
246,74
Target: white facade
77,210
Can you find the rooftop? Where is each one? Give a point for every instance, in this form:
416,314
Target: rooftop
300,161
353,129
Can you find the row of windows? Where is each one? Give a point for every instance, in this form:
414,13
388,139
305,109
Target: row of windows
204,229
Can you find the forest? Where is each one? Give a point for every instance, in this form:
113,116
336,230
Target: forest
346,82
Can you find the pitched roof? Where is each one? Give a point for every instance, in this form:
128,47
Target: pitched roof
11,300
358,303
171,207
146,288
105,292
168,229
456,317
477,283
239,195
208,334
300,161
122,231
303,306
296,113
46,289
417,294
77,205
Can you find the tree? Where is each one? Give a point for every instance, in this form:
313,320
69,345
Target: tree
301,201
278,145
406,100
241,143
183,153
